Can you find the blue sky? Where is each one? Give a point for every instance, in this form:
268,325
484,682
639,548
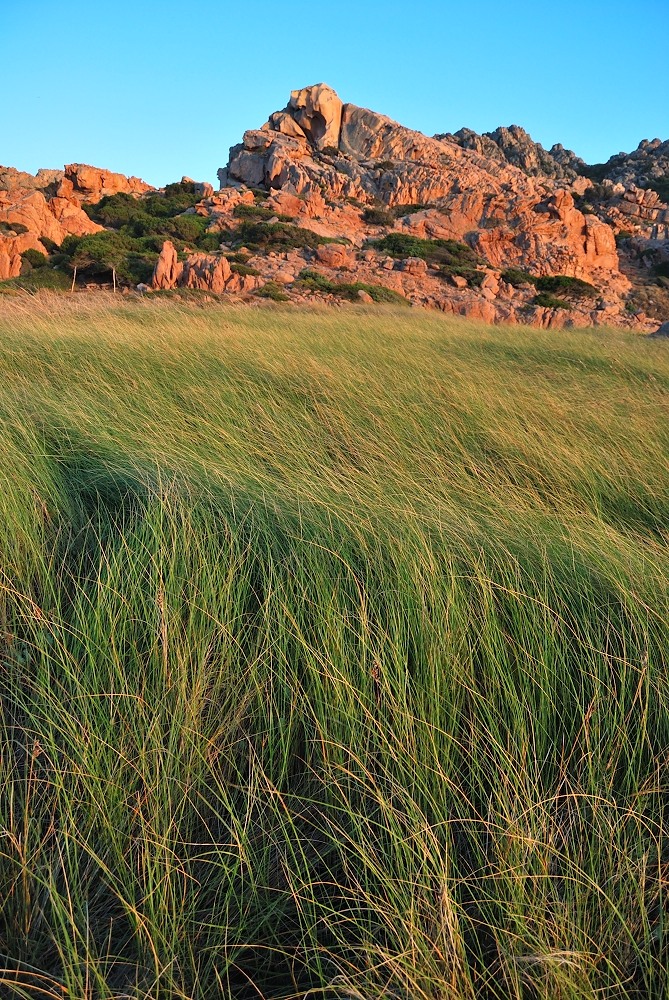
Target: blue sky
161,89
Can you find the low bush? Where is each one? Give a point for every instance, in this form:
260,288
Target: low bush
517,277
596,172
209,242
316,282
549,301
49,245
473,277
378,292
49,278
399,211
661,185
271,290
34,258
378,216
252,212
348,290
451,252
574,287
244,270
12,228
100,254
276,236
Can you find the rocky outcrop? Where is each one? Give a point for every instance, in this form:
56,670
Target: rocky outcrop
83,183
317,111
515,146
349,176
36,217
16,184
350,153
48,205
201,271
646,165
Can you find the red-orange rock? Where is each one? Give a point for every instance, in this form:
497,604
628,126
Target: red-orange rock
85,183
335,255
168,269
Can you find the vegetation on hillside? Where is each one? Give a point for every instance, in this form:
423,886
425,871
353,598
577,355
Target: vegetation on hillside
333,657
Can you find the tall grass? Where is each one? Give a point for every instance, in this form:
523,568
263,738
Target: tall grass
334,657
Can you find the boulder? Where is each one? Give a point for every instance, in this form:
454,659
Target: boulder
82,182
168,269
414,265
335,255
205,272
318,112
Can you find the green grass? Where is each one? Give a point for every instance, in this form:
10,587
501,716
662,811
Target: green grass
334,656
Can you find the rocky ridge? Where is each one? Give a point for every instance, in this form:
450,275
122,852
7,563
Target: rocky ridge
328,202
515,146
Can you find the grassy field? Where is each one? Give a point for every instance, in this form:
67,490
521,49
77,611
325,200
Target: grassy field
333,656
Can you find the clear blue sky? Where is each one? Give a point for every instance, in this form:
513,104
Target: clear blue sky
162,89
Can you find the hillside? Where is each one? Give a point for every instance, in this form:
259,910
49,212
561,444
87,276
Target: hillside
329,202
333,655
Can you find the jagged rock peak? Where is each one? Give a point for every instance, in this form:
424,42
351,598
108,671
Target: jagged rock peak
514,145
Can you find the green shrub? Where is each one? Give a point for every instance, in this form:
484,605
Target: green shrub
41,278
276,236
596,172
378,292
399,211
190,228
574,287
549,301
385,165
473,277
271,290
49,245
209,241
661,185
451,252
378,217
12,228
315,281
176,199
517,277
330,151
34,258
100,254
115,210
244,270
348,290
252,212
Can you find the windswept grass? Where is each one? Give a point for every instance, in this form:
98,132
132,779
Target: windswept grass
334,657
